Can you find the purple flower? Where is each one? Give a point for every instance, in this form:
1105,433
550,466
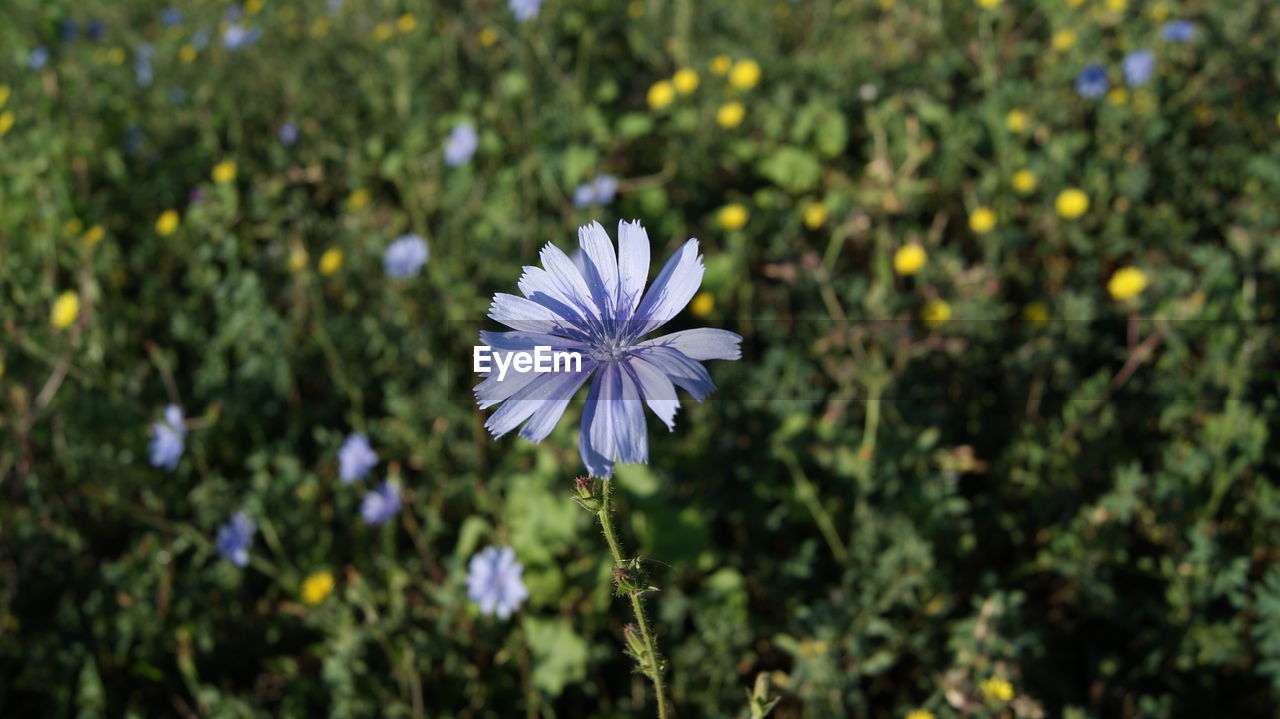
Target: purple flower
237,36
405,256
1092,81
524,9
382,504
235,538
461,144
1178,31
96,30
170,17
288,134
600,311
355,458
168,439
1138,67
494,581
38,58
599,191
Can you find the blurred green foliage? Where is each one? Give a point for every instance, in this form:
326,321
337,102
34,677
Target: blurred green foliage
881,514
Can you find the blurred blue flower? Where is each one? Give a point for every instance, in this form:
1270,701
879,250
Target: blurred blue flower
461,144
355,458
168,439
1092,81
600,310
382,504
237,36
96,30
1178,31
524,9
288,133
142,64
38,58
494,581
69,30
1138,67
599,191
133,138
405,256
171,17
235,538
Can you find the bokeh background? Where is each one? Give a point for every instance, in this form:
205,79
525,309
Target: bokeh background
1019,468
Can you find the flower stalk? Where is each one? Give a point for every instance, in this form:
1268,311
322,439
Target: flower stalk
629,581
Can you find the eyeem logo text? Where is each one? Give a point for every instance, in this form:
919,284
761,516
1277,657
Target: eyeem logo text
541,359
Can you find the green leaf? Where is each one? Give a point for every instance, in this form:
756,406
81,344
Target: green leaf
559,654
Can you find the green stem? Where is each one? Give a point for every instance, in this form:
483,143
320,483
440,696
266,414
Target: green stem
637,606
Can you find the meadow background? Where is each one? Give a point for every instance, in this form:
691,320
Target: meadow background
988,476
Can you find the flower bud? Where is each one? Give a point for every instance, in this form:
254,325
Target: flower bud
586,492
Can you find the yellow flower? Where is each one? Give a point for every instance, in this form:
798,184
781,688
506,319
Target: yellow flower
406,22
921,714
330,261
685,80
1118,96
1117,5
358,200
732,217
996,688
909,259
382,31
702,304
73,226
1016,121
65,310
730,114
1035,313
1025,182
93,235
252,7
745,74
982,220
167,223
1063,40
115,56
224,172
297,259
1160,12
1127,283
661,94
6,122
487,37
187,54
720,64
320,27
988,4
935,312
4,95
815,215
316,587
1071,203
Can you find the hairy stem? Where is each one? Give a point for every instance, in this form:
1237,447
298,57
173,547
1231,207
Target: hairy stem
654,668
